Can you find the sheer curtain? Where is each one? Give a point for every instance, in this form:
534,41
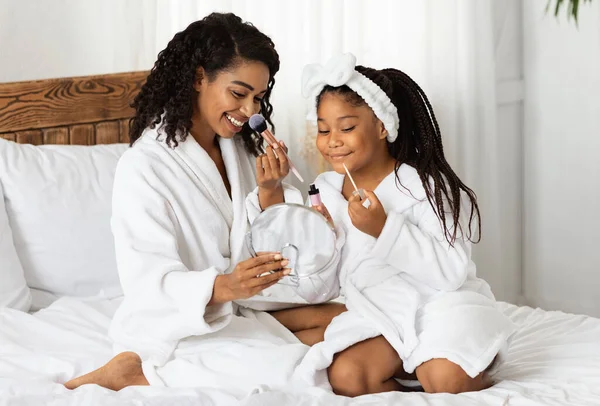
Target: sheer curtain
447,46
64,38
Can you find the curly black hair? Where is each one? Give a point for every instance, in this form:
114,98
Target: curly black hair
419,144
216,43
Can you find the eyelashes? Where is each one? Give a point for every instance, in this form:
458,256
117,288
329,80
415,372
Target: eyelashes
241,96
344,130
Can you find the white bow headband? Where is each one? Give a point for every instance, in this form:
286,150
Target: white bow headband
340,71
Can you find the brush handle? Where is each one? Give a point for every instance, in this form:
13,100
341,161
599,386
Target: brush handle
270,138
295,171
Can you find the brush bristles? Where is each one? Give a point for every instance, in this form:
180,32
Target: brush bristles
258,123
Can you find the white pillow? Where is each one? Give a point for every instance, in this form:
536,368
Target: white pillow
58,201
13,289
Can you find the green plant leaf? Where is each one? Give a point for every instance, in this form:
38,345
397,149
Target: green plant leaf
556,10
572,8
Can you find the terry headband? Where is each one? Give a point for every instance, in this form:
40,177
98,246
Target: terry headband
339,71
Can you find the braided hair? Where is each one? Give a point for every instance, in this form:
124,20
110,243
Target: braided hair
216,43
419,144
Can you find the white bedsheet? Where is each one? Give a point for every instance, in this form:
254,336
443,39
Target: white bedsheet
554,359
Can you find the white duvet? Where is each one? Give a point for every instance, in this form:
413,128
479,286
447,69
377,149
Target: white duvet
554,359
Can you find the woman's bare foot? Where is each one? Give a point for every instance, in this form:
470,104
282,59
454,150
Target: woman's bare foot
123,370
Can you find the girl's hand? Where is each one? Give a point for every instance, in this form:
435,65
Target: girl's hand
271,170
323,210
369,221
250,277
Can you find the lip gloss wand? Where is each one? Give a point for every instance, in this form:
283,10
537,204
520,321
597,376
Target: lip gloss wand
357,191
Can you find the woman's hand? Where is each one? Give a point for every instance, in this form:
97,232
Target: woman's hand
249,277
369,221
270,171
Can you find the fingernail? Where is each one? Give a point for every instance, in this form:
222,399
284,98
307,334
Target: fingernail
287,271
275,145
284,262
278,257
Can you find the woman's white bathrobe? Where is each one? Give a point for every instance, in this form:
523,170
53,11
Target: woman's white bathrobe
175,230
409,284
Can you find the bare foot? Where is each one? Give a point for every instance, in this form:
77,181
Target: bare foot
123,370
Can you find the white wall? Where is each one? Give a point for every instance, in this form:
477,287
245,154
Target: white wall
42,39
508,38
562,159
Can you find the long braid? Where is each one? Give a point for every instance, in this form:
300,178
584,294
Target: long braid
420,145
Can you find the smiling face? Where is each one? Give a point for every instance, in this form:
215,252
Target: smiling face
226,102
350,133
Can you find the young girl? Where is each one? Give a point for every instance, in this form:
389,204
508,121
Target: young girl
420,222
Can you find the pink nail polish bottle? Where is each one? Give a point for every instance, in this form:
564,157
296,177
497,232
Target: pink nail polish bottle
315,196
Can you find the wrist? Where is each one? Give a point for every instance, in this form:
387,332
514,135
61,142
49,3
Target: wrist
273,190
270,196
221,292
375,234
379,229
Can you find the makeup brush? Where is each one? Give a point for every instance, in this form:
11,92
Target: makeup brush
259,124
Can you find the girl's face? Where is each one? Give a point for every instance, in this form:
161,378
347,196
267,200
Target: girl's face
349,134
226,103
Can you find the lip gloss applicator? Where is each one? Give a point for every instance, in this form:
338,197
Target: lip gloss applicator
357,191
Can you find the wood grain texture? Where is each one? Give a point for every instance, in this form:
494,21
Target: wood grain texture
30,137
51,103
124,132
58,135
82,134
107,132
9,136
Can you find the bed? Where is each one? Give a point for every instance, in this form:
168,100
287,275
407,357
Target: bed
553,359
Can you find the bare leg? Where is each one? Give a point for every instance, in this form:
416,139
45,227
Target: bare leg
307,317
440,375
402,374
367,367
311,336
123,370
308,323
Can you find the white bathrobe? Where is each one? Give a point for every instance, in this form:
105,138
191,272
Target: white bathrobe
409,284
175,230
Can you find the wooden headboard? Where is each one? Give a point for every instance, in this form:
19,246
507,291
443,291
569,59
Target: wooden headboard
84,110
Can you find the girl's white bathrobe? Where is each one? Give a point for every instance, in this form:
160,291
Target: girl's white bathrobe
409,280
175,230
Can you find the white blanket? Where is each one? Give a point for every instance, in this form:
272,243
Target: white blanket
552,360
175,230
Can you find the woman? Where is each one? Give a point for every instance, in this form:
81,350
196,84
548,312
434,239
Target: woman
179,220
